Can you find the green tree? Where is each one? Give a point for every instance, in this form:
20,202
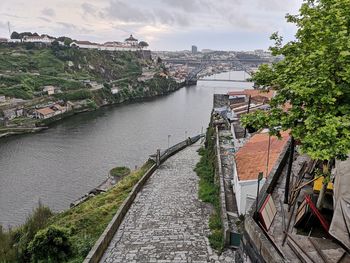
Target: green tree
314,78
143,44
50,245
15,35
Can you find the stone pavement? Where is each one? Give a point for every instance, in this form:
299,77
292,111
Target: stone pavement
167,222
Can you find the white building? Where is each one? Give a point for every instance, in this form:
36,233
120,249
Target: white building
38,39
50,90
249,161
85,44
132,41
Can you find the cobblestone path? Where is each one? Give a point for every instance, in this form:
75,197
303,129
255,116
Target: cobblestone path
167,222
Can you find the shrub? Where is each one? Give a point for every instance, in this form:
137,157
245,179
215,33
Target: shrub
51,245
120,171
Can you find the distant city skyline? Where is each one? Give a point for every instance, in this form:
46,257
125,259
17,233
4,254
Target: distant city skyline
164,24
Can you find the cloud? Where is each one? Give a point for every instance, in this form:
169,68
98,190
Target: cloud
68,27
44,19
142,15
48,12
127,13
89,9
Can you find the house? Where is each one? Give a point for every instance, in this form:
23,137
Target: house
38,39
254,94
59,109
14,40
44,113
250,160
50,90
114,91
85,44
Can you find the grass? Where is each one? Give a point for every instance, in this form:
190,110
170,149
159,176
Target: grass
209,190
84,223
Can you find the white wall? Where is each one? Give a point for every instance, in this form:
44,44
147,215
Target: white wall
244,190
248,190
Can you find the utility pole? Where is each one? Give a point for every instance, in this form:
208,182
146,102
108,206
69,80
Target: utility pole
9,28
289,170
249,101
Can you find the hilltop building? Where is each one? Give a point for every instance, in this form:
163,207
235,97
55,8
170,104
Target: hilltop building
39,39
130,44
131,41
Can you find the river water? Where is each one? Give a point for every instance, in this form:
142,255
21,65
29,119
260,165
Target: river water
59,165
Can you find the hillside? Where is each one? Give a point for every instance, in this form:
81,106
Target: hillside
36,77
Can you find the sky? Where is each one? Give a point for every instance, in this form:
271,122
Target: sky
164,24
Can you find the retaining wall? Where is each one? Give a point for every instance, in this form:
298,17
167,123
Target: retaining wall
102,243
220,175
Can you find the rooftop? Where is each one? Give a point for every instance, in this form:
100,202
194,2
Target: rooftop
253,93
45,111
251,158
131,38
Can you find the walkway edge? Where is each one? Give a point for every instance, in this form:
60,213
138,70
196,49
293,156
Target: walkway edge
102,243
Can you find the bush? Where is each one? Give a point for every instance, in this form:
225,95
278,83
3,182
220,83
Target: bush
14,243
120,171
51,245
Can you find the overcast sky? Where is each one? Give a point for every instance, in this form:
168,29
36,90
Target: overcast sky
164,24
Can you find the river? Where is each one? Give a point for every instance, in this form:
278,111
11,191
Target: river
58,165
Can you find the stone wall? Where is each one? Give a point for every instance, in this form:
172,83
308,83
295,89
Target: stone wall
220,176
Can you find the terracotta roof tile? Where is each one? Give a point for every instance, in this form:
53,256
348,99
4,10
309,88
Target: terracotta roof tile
253,93
251,158
45,111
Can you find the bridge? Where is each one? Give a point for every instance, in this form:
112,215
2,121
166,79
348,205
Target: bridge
208,61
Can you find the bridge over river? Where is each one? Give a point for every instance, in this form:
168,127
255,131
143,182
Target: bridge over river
167,222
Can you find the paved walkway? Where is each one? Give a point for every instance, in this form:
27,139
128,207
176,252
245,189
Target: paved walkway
167,222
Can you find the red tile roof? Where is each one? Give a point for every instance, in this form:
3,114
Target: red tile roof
45,111
253,93
252,157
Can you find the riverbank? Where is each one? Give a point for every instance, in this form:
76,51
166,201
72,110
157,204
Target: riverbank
100,99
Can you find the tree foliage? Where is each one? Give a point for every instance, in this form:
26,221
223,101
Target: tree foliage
50,245
314,79
143,44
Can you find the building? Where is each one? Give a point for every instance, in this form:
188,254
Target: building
44,113
39,39
3,40
250,160
85,44
132,41
194,49
50,90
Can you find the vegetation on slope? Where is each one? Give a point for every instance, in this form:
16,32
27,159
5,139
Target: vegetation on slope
209,190
78,228
24,71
